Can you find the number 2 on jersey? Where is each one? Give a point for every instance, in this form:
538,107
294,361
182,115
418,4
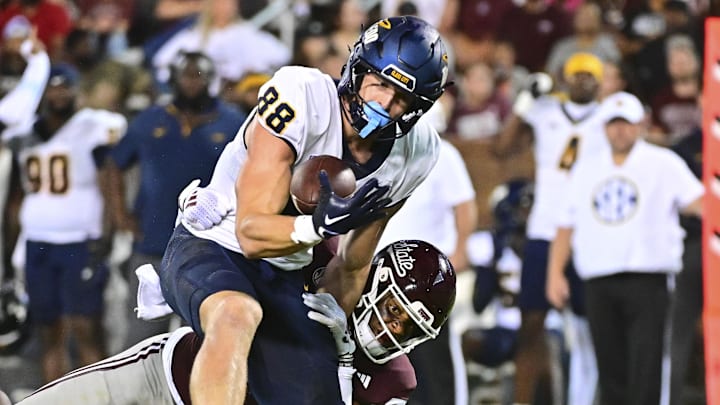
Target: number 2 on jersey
569,155
279,116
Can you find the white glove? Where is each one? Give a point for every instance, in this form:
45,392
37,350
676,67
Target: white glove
202,208
538,84
325,310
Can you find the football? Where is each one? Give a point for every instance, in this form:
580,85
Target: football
305,183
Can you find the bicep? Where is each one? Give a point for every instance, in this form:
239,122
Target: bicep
264,181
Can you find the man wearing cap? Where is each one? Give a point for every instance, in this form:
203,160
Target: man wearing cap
566,128
61,219
621,221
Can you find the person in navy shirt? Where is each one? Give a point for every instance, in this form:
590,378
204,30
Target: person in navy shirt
172,145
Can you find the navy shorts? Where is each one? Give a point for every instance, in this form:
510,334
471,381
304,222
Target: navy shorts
61,282
293,359
534,276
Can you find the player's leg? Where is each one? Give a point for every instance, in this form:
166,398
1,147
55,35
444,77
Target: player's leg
229,320
212,293
532,358
43,281
293,359
134,376
82,285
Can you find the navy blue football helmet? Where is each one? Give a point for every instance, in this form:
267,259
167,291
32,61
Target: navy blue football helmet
405,51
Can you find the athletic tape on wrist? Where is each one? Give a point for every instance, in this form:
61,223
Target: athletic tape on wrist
304,231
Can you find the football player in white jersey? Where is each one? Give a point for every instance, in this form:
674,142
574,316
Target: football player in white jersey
60,217
564,130
236,283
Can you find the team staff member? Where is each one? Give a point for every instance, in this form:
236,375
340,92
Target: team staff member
172,144
622,224
565,131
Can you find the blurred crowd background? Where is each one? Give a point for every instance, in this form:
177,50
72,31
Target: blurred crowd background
124,53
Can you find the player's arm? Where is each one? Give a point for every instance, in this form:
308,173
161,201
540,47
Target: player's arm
516,128
19,105
557,289
347,272
113,185
262,190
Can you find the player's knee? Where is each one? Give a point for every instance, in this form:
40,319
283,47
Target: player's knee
230,309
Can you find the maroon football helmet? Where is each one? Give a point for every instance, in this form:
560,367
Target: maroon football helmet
415,276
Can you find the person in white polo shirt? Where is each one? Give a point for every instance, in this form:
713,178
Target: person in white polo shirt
622,224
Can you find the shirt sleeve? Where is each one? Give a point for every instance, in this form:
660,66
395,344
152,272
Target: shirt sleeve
20,104
286,106
457,186
687,187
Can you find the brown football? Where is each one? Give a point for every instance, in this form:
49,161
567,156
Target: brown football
305,183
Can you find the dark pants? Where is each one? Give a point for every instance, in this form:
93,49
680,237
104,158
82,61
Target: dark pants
627,315
686,310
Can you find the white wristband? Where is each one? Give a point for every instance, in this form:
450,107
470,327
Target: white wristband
523,103
304,231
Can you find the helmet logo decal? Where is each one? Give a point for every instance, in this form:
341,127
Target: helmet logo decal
371,35
403,79
402,256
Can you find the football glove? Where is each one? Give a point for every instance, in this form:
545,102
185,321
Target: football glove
201,207
325,310
335,215
538,84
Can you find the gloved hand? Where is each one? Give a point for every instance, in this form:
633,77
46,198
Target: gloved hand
325,310
335,215
201,207
538,84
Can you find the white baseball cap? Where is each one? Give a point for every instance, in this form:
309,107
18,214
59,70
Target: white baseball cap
622,105
17,27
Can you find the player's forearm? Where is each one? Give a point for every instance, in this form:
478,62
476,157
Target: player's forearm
114,187
267,235
346,273
508,139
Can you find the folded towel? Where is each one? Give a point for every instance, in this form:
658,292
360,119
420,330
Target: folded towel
151,303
